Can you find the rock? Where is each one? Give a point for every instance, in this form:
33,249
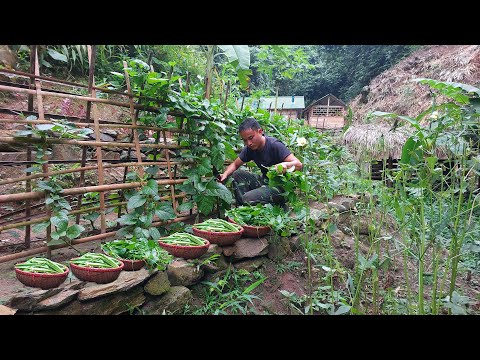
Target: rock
7,57
247,248
125,281
5,310
171,302
250,264
181,272
115,304
157,284
279,249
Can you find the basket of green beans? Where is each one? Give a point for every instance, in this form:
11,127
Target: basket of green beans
96,267
218,231
184,245
41,273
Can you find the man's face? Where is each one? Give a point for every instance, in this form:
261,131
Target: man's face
253,139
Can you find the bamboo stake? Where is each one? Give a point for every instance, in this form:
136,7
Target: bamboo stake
41,116
101,180
83,240
81,182
28,184
134,120
169,169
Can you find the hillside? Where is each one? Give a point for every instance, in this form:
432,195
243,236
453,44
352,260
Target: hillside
393,90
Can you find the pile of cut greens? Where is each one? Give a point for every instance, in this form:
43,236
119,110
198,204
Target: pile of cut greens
139,249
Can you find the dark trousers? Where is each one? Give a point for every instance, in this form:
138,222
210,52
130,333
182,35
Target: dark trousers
250,189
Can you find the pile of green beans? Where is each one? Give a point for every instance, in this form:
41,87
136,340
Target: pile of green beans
41,265
96,260
218,225
184,239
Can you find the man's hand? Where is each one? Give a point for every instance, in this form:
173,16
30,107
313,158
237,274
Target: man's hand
284,167
221,178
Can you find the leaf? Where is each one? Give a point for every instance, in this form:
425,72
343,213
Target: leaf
44,127
23,133
56,55
185,206
136,201
151,188
40,227
205,204
237,52
74,231
218,156
343,309
165,211
254,285
154,233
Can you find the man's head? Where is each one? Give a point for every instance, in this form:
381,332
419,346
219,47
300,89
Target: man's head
252,134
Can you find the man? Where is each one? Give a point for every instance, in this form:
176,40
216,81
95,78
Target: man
265,151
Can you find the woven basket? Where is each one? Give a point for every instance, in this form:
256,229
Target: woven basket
132,265
217,237
184,251
253,231
39,280
97,275
129,265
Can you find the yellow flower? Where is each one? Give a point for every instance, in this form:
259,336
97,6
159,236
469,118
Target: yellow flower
301,142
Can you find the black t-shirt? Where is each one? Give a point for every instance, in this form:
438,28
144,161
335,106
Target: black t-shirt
273,152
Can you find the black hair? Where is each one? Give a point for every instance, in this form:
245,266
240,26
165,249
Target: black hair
249,123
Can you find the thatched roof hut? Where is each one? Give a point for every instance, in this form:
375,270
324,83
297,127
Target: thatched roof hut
376,141
380,142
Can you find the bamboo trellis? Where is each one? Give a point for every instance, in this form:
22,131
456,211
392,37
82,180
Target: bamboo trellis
34,88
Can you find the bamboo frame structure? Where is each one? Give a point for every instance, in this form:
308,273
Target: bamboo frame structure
90,120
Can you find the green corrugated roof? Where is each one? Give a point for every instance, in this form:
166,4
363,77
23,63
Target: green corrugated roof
269,102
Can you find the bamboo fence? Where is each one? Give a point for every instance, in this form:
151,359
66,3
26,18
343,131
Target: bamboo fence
91,120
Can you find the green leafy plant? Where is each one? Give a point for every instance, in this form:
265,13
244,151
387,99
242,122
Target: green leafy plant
228,295
61,232
143,205
139,249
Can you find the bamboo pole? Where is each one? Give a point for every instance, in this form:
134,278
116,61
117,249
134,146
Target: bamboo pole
80,124
22,140
76,212
81,190
60,81
77,97
83,240
85,168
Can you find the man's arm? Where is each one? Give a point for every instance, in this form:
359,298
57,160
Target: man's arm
290,161
230,169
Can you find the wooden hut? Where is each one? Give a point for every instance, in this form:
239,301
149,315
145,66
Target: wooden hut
290,107
326,113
